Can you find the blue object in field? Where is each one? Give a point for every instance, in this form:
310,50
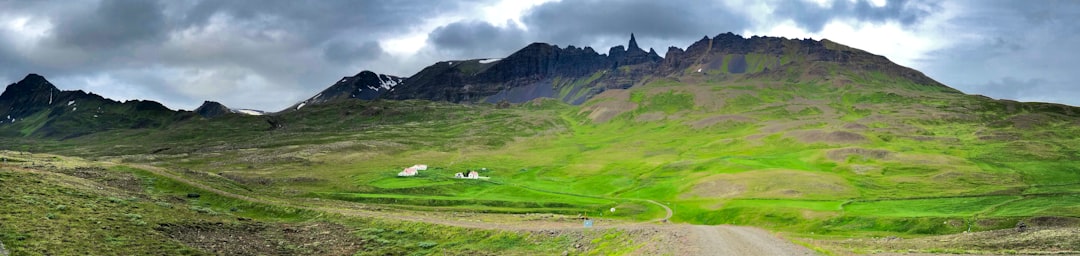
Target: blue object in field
588,223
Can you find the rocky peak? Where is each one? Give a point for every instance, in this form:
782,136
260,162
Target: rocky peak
366,85
211,109
632,46
31,88
633,54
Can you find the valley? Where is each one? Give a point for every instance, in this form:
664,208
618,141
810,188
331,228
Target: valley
831,149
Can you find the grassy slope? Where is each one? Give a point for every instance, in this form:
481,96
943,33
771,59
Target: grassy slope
122,210
764,152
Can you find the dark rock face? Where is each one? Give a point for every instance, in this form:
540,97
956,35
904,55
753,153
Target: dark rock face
573,74
211,109
635,55
473,80
35,106
526,74
28,96
365,85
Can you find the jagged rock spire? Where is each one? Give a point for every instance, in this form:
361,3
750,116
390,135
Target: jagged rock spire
633,43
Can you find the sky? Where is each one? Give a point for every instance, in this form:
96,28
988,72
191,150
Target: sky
269,54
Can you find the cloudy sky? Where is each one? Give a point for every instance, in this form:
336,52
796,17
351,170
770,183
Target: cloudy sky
268,54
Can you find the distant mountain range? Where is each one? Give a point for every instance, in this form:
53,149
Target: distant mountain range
570,74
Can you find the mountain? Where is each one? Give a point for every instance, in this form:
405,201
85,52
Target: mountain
574,75
365,85
212,109
33,106
570,74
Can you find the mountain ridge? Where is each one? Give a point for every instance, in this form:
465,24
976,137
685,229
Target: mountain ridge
366,85
35,106
576,74
539,70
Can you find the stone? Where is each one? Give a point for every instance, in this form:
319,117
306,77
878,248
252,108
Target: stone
3,250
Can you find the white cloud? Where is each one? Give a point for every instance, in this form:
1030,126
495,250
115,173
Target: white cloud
905,45
512,10
24,31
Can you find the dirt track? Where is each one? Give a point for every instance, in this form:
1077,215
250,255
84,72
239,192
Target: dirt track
736,240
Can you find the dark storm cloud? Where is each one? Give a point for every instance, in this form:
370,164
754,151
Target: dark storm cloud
477,39
271,53
813,17
183,52
113,24
343,52
321,19
582,22
1013,49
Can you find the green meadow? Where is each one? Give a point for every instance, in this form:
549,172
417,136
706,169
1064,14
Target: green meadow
863,156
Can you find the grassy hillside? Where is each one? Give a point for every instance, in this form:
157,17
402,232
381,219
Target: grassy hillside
836,154
59,205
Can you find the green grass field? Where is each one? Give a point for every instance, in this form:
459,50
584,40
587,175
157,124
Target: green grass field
874,158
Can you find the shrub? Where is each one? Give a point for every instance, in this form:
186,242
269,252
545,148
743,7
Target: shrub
427,244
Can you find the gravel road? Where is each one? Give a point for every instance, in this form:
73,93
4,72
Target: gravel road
737,240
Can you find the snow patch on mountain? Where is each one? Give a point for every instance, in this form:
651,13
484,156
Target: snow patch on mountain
365,85
486,61
388,83
250,112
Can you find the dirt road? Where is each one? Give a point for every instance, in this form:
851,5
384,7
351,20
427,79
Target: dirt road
736,240
666,208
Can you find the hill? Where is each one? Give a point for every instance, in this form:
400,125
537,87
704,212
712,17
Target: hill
807,137
574,75
34,107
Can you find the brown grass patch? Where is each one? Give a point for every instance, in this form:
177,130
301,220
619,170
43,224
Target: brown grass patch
842,154
709,121
1005,241
855,126
254,238
609,104
811,136
649,117
772,184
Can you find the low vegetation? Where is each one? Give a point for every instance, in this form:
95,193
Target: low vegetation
855,156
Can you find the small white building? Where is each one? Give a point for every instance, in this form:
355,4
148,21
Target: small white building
473,175
420,167
407,172
459,175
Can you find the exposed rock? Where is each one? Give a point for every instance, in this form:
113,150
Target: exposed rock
73,113
365,85
539,69
527,74
844,153
211,109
